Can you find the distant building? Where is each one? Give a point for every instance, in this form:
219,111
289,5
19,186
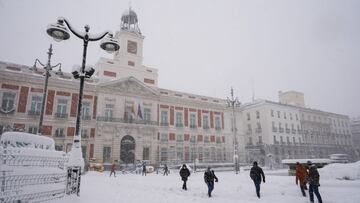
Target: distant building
355,131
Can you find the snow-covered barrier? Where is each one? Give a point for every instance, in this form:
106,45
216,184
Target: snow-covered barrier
350,171
30,168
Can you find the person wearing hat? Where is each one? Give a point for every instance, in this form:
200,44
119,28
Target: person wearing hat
255,174
184,173
301,176
209,177
314,182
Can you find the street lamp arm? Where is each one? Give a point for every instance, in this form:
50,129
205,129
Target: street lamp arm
59,64
38,61
98,37
81,36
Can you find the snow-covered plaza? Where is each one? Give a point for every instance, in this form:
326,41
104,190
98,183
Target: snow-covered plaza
99,187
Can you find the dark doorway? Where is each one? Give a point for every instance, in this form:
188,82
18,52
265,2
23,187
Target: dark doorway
127,149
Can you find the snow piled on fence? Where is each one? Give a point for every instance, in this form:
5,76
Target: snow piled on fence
349,171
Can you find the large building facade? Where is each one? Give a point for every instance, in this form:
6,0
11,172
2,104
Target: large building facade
127,117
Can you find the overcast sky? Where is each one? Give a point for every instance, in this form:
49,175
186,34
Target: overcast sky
207,46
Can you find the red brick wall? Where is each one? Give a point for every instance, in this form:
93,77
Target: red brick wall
92,132
199,138
186,117
24,91
8,86
19,126
46,130
74,101
211,119
172,136
91,151
199,118
70,131
171,115
109,73
50,102
94,107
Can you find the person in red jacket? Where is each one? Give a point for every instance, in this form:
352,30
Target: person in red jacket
113,168
301,177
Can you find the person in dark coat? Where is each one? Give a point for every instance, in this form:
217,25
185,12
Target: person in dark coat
301,176
209,177
113,168
143,169
314,182
166,170
184,173
255,174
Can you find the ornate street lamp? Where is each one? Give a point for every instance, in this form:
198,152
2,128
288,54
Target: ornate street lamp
60,32
47,68
234,102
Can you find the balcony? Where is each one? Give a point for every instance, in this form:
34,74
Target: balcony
86,117
121,120
293,131
33,113
61,115
287,130
179,125
281,130
164,124
192,126
274,129
258,130
206,127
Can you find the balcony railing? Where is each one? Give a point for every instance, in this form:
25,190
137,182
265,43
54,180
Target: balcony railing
218,128
281,130
86,117
61,115
179,125
287,130
293,131
121,120
192,126
206,127
33,113
164,124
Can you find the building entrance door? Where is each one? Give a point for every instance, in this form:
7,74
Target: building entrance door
127,149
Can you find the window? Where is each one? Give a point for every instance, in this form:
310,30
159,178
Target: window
250,141
61,108
84,133
146,153
206,139
272,113
248,116
35,107
260,140
192,120
86,111
179,118
258,125
8,101
179,153
164,118
192,138
59,132
164,137
109,108
32,129
217,123
278,114
129,111
147,114
257,114
296,116
106,154
290,116
284,115
179,137
275,139
172,153
163,154
206,122
249,128
58,147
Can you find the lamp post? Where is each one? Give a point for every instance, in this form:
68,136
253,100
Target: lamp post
60,32
234,102
47,68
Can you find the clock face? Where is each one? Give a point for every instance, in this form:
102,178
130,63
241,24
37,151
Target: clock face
132,47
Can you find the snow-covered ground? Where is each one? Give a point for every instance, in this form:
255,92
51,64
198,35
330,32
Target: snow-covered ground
156,188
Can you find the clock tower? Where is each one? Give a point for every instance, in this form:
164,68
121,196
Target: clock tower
128,60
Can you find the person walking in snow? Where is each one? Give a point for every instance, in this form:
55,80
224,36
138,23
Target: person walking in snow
314,182
143,169
113,168
209,177
184,173
301,176
255,174
166,170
